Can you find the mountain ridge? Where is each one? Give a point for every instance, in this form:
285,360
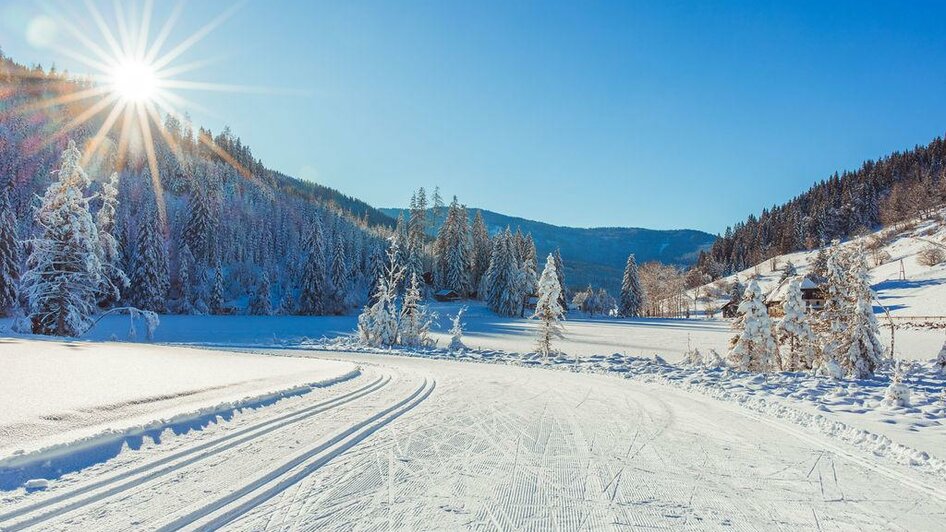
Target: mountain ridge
594,255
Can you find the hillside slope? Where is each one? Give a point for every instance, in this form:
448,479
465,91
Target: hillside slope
916,297
596,255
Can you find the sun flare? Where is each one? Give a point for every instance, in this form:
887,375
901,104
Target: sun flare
134,81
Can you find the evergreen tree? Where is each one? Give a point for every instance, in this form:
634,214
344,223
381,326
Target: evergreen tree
149,276
415,322
378,323
795,337
753,347
216,300
339,275
185,272
199,229
313,290
481,250
632,294
9,256
114,279
502,281
64,272
547,308
456,332
860,351
560,272
261,303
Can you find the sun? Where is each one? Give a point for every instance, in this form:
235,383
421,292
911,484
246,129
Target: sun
134,81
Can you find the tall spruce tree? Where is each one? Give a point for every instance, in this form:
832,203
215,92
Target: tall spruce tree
547,308
632,293
114,278
9,256
482,247
860,351
64,271
150,274
560,272
313,290
261,303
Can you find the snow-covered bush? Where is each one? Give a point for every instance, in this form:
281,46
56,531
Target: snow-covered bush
456,331
693,357
897,394
940,363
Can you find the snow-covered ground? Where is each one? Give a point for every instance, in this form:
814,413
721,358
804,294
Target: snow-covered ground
415,443
584,336
57,397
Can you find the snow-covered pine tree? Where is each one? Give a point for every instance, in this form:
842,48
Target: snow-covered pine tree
789,270
834,316
753,347
529,267
482,248
548,309
560,271
796,339
185,271
261,303
63,270
114,279
860,352
632,293
148,289
438,205
313,291
414,325
9,256
378,322
503,281
199,228
216,300
340,282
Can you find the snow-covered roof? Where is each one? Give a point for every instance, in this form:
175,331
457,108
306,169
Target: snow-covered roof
778,293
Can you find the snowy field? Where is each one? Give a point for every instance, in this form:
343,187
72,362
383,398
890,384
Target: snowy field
584,337
414,443
57,396
297,430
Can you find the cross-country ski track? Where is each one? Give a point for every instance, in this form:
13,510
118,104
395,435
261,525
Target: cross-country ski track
418,444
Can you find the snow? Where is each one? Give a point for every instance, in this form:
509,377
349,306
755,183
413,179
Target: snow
452,444
56,392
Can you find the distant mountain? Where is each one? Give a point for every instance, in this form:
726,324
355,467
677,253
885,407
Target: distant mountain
597,255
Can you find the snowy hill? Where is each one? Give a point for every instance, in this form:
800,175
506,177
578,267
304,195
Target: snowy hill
911,291
597,255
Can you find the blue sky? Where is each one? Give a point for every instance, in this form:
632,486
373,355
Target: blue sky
654,114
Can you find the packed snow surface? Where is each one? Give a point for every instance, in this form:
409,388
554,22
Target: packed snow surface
415,443
54,392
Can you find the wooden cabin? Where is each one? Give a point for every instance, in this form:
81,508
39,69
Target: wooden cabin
447,295
812,294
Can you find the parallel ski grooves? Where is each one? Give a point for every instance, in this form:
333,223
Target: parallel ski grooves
153,470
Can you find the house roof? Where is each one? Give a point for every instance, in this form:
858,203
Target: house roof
777,294
445,292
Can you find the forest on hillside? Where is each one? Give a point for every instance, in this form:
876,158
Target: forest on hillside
900,186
